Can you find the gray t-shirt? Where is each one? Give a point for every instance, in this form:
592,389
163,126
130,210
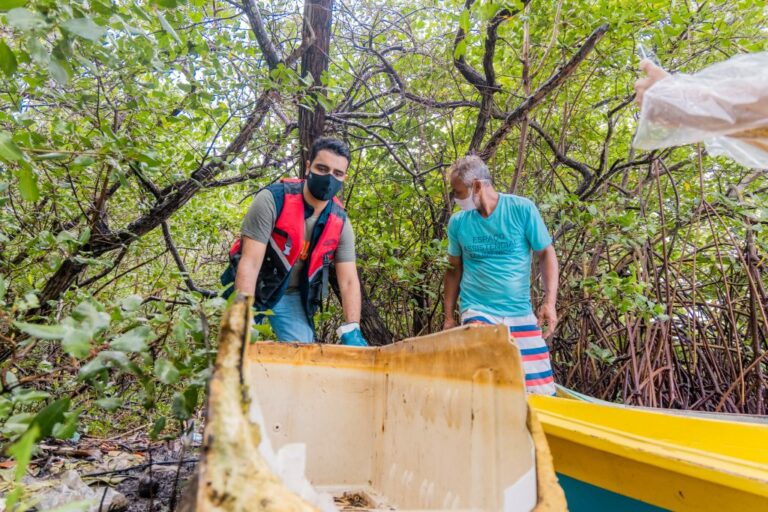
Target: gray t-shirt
260,221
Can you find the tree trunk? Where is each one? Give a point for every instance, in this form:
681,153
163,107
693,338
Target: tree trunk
60,282
372,325
318,15
318,20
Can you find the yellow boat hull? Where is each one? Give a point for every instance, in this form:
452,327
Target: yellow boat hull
653,459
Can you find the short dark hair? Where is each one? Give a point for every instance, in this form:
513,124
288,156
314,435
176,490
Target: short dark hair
330,144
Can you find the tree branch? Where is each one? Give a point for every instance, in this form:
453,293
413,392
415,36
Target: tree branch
468,72
378,137
399,86
106,271
554,81
265,42
609,133
579,167
180,263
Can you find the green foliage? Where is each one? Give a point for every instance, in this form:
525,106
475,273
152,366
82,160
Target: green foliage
85,28
52,419
8,149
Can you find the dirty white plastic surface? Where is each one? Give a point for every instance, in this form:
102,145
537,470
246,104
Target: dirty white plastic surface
725,106
289,463
73,490
435,423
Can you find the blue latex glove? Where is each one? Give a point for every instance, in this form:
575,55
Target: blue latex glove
351,336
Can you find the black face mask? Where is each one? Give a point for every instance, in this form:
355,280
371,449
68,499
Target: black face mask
323,186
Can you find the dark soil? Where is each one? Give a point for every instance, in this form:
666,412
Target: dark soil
161,480
146,487
152,488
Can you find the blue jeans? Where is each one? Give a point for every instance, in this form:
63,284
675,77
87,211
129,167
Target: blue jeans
289,320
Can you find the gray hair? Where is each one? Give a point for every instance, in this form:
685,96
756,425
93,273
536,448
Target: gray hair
469,169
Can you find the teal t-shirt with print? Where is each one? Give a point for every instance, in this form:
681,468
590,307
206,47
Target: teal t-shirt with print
496,255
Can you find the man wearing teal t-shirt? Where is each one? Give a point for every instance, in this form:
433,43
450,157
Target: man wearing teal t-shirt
489,251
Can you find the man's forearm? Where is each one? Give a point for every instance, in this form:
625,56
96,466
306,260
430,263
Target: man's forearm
245,279
451,292
351,300
349,289
251,258
549,274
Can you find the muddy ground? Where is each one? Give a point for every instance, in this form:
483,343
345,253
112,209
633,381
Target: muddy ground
128,475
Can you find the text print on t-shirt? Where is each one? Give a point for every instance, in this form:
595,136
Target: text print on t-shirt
492,245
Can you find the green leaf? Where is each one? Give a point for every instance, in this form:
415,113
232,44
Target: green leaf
67,428
149,397
94,366
25,20
107,359
134,340
131,303
183,405
7,59
110,403
87,312
166,371
44,332
158,427
460,50
60,71
26,395
11,379
83,161
179,407
38,52
28,184
167,27
6,406
85,236
191,395
85,28
22,449
324,102
49,416
52,156
464,20
9,151
65,236
17,424
6,5
13,497
179,330
76,341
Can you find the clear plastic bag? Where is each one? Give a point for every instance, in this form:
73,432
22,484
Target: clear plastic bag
725,106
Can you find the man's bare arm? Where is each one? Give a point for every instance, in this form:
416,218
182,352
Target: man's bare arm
451,285
349,286
550,271
251,258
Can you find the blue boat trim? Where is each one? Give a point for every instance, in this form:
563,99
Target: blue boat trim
584,497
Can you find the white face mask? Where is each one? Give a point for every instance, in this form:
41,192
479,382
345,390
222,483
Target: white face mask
468,203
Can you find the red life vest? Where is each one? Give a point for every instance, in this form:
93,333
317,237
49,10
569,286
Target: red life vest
286,245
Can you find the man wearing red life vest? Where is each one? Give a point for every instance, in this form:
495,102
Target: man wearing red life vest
292,233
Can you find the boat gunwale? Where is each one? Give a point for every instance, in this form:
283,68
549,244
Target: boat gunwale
737,473
390,359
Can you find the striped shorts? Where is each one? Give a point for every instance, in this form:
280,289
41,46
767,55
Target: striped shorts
533,350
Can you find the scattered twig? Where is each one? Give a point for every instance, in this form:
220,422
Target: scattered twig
139,467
